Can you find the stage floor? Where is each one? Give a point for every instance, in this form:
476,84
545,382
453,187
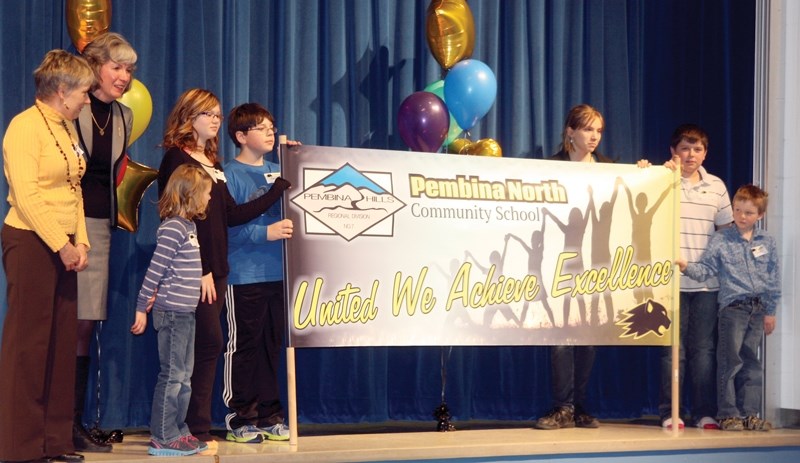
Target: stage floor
397,441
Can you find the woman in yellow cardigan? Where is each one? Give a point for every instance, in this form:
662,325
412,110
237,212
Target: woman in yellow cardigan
44,244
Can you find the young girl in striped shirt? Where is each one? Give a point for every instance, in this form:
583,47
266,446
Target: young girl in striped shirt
171,288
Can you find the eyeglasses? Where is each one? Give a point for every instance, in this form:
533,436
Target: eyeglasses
267,130
210,114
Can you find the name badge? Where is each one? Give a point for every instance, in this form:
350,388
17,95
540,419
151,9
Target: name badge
759,250
270,177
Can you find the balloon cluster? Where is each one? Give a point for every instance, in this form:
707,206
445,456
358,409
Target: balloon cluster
434,118
86,20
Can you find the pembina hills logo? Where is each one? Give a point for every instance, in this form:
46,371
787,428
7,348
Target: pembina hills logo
348,202
649,317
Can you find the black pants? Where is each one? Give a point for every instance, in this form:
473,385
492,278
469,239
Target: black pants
207,348
256,325
572,366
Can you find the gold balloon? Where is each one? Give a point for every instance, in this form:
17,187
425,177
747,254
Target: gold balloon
141,103
86,19
457,145
450,30
482,147
135,180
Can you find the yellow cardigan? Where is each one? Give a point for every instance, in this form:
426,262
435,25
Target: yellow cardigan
40,196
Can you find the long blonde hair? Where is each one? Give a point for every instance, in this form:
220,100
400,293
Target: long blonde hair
180,133
183,195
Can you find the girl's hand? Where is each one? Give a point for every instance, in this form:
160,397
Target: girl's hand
140,322
208,293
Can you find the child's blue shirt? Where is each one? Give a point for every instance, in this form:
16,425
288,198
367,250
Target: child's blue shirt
253,259
745,268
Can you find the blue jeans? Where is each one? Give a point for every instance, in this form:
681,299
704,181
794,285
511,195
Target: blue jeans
739,375
173,388
698,325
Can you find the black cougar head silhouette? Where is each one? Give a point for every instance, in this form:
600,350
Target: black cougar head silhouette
645,318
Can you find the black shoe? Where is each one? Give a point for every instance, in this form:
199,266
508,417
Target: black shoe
112,437
85,442
585,420
68,458
559,417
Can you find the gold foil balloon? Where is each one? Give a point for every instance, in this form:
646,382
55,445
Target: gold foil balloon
135,180
141,103
86,19
457,145
482,147
450,30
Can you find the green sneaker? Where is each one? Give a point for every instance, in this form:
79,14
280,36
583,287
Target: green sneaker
248,434
275,432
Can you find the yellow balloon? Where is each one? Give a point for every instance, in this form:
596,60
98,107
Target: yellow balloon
482,147
135,180
458,145
86,19
141,103
450,30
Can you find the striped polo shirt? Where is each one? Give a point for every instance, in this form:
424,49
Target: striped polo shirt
705,206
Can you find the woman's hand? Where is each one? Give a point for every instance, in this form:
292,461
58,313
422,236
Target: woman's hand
70,256
280,230
84,260
208,293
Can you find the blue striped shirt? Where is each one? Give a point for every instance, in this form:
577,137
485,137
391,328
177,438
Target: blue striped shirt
175,269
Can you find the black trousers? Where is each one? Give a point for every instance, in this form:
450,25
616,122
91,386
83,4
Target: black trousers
207,349
37,357
256,325
572,366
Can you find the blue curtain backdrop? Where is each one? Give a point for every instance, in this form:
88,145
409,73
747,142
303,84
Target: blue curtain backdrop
334,73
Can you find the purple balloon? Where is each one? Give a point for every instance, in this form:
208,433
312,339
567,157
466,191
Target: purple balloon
423,121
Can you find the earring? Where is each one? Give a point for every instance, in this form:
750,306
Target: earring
571,140
64,102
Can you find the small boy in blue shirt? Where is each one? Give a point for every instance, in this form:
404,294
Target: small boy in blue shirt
745,260
255,300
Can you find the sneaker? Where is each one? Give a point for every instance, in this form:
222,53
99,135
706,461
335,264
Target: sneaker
584,420
707,422
667,423
559,417
754,423
201,446
275,432
248,434
733,423
180,447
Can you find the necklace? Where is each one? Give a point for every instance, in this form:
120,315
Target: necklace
72,187
103,128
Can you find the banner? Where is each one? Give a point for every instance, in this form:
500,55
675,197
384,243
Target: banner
415,249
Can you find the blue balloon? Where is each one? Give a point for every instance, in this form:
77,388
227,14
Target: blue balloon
469,90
